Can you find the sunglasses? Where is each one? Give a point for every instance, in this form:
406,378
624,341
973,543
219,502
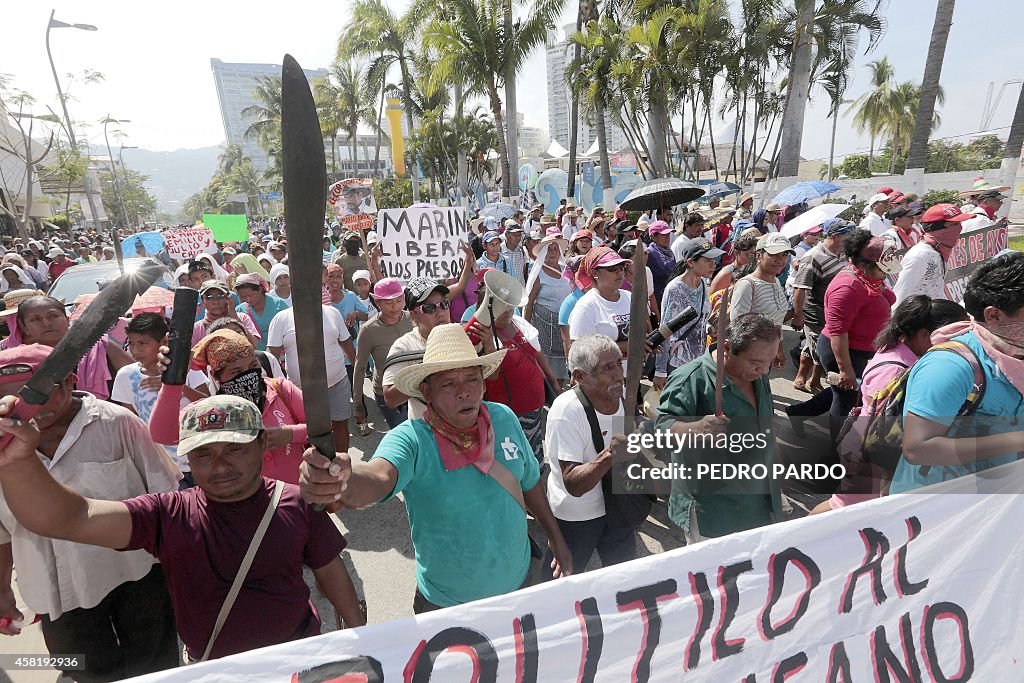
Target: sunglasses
613,269
214,297
432,308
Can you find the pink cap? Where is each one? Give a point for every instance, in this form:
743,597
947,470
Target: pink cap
18,364
388,288
659,228
252,279
609,258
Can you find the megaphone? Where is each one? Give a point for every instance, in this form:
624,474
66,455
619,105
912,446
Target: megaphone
502,293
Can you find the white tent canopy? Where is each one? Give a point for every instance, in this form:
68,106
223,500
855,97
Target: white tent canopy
592,152
555,150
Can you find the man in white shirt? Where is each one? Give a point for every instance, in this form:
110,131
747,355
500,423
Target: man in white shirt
924,266
109,608
281,338
987,204
874,219
574,487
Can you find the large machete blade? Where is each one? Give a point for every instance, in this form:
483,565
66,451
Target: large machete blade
305,196
102,313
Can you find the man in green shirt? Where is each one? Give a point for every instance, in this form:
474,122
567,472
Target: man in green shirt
715,504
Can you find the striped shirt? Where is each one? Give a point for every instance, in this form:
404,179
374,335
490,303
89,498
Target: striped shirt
817,268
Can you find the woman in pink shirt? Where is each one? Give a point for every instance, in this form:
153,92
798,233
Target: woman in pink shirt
905,338
231,362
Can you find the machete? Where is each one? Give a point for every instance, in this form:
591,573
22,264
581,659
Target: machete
637,345
102,313
304,172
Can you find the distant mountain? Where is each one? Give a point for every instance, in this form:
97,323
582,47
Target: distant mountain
173,176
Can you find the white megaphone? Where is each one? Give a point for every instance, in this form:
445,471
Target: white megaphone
502,293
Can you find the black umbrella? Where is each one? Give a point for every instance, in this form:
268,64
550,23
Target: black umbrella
659,193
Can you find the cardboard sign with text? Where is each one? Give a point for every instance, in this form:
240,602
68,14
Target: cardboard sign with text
422,242
971,250
185,243
920,587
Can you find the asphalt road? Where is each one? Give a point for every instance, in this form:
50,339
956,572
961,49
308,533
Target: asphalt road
380,555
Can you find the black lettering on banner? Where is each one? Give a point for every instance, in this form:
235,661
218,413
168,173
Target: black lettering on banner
729,596
431,251
459,226
426,227
388,223
838,665
789,666
592,632
472,643
886,663
947,610
524,630
440,224
705,613
876,545
360,669
905,586
645,598
412,248
776,581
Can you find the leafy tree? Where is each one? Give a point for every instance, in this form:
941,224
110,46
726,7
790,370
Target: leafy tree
138,202
392,193
933,197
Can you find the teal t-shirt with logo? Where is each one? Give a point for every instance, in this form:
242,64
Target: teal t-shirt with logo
468,532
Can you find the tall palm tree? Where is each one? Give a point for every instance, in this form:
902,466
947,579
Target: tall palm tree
930,85
265,115
474,43
325,94
584,14
809,17
352,105
900,116
589,76
375,32
870,106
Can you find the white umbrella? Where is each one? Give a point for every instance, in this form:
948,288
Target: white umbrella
812,217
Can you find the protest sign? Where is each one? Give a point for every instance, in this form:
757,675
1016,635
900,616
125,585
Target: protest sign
185,243
358,222
905,588
227,227
352,196
971,250
422,242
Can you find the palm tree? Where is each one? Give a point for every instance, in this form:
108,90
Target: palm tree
589,76
585,13
352,105
858,14
373,31
930,85
871,105
473,43
265,115
900,115
325,94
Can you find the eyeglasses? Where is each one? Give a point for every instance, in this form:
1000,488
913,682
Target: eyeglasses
613,269
432,308
214,297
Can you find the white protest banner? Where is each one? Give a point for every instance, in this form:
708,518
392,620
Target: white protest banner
185,243
422,242
912,588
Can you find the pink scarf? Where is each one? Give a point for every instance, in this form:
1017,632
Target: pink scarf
944,239
1000,348
461,447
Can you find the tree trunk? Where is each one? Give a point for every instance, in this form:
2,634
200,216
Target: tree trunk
355,155
574,112
380,130
602,154
918,153
511,105
334,158
656,133
1011,154
499,122
414,171
792,130
462,165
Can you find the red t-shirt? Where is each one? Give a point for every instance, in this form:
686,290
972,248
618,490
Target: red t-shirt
57,269
850,310
200,544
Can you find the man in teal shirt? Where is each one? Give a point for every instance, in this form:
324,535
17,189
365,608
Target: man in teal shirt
467,475
252,290
712,506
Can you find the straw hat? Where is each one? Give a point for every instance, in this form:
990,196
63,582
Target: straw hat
16,297
562,243
980,185
448,348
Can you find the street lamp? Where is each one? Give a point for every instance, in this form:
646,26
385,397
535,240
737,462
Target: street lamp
55,23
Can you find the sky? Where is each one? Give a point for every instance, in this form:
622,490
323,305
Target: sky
156,60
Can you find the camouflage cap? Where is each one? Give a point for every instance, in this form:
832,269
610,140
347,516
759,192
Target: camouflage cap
219,419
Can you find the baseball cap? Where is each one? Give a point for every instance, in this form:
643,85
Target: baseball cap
388,288
361,275
816,230
701,248
581,234
883,252
659,228
19,363
371,237
509,223
267,239
991,194
607,259
350,236
490,236
836,226
56,251
774,243
213,284
219,419
418,289
875,198
945,212
515,227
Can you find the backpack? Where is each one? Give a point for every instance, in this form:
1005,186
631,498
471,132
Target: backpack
871,440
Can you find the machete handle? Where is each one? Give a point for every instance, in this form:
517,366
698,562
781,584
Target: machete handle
324,444
179,339
23,410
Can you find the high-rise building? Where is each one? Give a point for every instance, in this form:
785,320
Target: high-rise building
235,86
558,55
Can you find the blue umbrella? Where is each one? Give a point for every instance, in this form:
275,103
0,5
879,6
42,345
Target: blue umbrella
152,241
805,191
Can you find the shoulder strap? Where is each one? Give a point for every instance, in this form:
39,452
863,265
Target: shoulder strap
883,364
409,357
508,481
243,569
978,390
595,427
